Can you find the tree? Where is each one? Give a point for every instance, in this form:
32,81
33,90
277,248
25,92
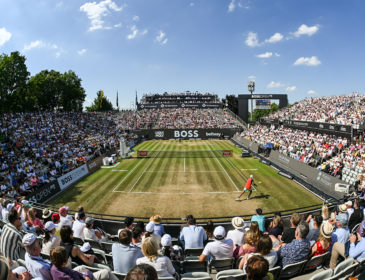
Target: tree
55,91
104,105
232,102
259,113
14,76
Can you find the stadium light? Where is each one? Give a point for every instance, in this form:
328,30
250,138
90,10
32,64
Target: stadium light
251,89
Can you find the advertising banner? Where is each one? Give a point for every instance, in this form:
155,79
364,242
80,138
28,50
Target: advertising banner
72,176
44,193
94,164
336,129
179,105
213,133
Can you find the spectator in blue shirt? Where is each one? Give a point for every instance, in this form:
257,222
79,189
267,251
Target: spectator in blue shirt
339,239
158,229
192,236
298,249
260,219
357,251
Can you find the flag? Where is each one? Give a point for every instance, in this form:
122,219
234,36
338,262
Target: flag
117,101
136,99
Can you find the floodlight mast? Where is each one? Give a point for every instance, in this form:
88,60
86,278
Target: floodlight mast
251,89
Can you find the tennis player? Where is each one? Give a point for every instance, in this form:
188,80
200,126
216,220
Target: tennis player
248,188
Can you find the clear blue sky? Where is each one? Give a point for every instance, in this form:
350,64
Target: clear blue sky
302,48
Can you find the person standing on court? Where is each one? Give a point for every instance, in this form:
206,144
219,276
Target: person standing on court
248,188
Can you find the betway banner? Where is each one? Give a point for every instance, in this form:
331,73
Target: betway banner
44,193
94,164
186,133
336,129
179,105
72,176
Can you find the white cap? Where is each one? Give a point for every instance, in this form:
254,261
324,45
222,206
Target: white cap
219,232
150,227
251,176
166,240
85,247
29,239
10,206
49,226
66,207
24,201
349,203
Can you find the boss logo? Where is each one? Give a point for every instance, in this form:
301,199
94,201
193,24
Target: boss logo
159,134
186,133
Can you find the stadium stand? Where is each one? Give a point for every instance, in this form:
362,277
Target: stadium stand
38,148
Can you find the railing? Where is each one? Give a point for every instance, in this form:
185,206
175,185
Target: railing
237,118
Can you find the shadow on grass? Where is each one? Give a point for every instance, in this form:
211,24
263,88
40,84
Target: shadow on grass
68,196
266,196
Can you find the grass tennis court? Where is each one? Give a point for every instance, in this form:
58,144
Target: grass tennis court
174,186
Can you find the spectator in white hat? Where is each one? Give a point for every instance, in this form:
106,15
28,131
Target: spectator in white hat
220,248
238,232
150,233
37,266
50,240
167,249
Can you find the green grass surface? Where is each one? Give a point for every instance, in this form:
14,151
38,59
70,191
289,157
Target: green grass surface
174,187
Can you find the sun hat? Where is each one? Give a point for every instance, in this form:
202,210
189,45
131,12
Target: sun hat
46,213
4,268
89,221
238,223
326,230
166,240
55,216
348,203
342,208
150,227
29,239
156,219
219,232
342,219
49,226
62,210
85,247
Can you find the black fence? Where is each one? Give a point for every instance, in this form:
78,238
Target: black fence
207,133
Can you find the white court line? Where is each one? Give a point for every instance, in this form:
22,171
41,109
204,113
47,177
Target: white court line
184,162
117,170
128,175
239,172
152,160
249,169
177,192
191,171
223,167
112,166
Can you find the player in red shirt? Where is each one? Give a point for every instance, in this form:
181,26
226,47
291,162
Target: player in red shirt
248,188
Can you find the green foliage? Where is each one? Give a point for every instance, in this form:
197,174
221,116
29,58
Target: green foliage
13,80
232,102
47,90
98,106
259,113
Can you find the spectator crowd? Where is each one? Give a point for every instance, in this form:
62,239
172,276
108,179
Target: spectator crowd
61,246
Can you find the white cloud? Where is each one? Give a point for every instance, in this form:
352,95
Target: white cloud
34,45
39,44
273,84
277,37
291,89
277,54
306,30
264,55
82,51
311,92
252,77
252,40
231,6
135,18
97,11
117,25
161,38
4,36
135,32
308,61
